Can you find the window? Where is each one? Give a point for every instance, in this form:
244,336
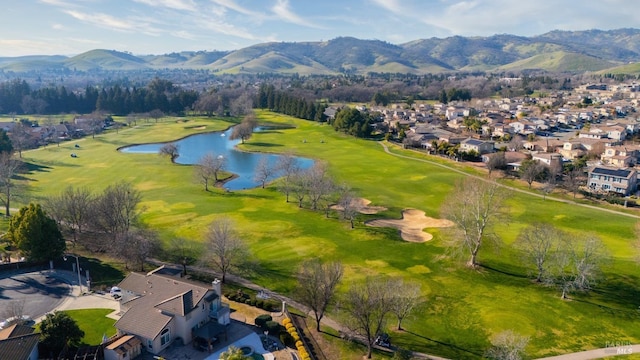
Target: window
150,344
165,336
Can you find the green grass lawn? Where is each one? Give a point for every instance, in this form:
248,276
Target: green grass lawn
94,323
462,308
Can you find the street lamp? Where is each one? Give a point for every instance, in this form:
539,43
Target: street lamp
78,268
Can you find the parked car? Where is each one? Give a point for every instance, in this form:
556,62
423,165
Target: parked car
22,320
115,292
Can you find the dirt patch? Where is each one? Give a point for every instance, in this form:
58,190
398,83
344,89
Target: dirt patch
411,225
363,207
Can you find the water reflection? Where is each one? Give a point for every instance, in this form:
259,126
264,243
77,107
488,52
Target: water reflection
242,164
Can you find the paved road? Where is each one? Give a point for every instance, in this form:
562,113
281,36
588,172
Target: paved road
41,292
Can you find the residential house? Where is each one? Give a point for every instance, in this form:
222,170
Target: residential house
620,155
160,309
479,146
607,179
125,347
552,160
19,342
572,150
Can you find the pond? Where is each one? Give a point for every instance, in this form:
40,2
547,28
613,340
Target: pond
242,164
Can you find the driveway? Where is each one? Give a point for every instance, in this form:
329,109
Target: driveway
40,291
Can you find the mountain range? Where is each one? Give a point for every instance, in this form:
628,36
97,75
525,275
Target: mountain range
612,51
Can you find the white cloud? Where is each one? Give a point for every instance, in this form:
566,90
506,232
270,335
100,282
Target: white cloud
187,5
57,26
391,5
113,23
232,5
183,35
282,10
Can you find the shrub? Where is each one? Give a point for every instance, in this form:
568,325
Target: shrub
273,327
261,320
286,339
288,326
260,303
299,344
247,301
286,321
252,302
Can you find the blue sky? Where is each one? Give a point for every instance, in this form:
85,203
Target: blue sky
69,27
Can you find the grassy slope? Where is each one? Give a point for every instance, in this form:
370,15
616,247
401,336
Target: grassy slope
462,308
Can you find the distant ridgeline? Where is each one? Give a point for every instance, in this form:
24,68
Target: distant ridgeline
557,51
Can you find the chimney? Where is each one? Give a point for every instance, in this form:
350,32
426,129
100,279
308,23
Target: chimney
217,286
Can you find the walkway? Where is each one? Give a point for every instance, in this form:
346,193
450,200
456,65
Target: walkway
598,353
546,197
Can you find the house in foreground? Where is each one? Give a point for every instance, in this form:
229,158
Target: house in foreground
19,342
607,179
159,309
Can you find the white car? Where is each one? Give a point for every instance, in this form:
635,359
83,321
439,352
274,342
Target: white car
115,292
24,320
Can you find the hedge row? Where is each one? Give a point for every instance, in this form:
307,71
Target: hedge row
291,329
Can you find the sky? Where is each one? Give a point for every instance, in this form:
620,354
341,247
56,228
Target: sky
70,27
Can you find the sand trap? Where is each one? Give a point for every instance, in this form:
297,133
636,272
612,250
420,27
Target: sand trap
411,225
363,207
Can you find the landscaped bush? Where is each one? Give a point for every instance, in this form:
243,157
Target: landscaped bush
288,326
286,339
286,321
261,320
273,327
260,303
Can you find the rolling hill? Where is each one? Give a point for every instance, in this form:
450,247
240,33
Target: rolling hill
556,51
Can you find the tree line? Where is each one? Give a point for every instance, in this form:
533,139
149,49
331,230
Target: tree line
17,97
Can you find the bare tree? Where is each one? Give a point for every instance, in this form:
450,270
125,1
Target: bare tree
577,265
8,169
496,161
474,206
225,249
531,170
367,305
71,209
405,297
507,345
132,119
13,309
299,186
348,203
20,137
209,167
242,105
320,184
94,123
287,166
317,285
572,179
171,150
136,247
537,243
245,129
264,171
156,114
116,210
184,252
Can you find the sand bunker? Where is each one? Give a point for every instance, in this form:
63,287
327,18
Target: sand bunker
411,225
363,207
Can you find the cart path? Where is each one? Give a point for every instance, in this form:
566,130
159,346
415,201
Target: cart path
544,197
